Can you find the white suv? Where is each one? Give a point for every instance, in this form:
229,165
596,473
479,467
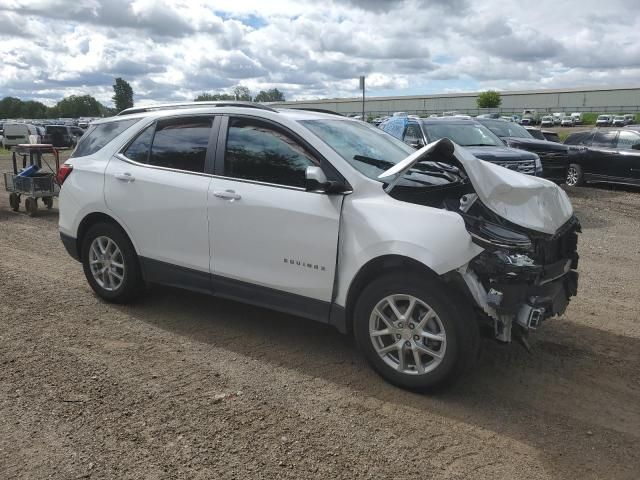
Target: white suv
328,218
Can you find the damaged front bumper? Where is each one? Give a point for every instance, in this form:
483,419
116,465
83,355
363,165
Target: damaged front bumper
519,291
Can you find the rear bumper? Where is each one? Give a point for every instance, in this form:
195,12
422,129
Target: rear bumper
70,245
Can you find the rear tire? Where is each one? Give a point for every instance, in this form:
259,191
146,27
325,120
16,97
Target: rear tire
110,263
14,201
31,206
574,176
429,345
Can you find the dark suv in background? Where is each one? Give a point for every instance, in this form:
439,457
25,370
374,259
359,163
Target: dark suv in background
611,156
476,138
62,135
554,156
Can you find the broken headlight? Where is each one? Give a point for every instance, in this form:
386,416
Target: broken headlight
492,236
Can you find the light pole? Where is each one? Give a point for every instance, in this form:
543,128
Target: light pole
362,88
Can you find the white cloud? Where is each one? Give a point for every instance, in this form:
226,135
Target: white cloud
175,49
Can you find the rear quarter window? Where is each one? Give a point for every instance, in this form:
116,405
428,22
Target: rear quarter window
97,136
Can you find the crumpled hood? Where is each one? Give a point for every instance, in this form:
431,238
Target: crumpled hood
525,200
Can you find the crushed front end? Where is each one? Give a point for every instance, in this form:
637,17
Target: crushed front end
522,277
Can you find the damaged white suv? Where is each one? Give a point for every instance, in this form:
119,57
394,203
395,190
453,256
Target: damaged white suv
415,252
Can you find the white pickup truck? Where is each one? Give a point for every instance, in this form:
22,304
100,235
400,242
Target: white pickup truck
414,252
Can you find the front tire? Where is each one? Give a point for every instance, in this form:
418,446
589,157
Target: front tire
110,264
574,176
415,333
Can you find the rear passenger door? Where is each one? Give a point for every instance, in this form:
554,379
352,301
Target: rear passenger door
629,156
157,186
602,158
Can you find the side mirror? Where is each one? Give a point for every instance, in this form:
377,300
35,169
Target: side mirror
316,181
636,146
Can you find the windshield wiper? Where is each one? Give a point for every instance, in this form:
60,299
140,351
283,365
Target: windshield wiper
383,164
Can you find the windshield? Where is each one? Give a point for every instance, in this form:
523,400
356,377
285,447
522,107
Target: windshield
507,129
465,134
368,149
603,117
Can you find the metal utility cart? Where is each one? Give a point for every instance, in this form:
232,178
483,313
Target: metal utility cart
40,185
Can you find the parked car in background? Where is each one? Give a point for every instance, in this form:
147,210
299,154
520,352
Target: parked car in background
568,122
17,133
547,121
611,156
62,135
554,156
318,215
604,120
629,119
557,118
471,134
577,118
529,117
618,121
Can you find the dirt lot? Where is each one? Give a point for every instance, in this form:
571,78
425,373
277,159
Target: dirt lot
181,385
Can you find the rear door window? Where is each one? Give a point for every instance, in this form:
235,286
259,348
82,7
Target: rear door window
98,136
627,139
181,143
604,139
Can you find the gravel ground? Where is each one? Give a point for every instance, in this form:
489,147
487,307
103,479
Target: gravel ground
180,385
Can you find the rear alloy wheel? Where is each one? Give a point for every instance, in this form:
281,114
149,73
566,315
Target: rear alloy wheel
414,332
110,263
574,176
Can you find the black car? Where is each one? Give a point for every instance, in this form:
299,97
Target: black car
476,138
611,155
62,135
554,156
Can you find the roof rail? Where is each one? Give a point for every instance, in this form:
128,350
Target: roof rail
317,110
170,106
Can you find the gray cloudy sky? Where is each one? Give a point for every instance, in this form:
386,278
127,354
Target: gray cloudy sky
174,49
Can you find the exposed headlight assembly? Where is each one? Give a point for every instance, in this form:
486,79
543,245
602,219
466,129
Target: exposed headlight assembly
492,236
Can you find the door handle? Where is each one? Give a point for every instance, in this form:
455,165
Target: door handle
230,195
125,177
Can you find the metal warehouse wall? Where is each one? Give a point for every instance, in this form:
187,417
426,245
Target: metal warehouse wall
613,100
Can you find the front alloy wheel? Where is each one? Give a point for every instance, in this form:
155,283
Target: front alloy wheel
407,334
574,176
414,330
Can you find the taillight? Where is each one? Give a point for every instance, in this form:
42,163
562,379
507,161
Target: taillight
63,173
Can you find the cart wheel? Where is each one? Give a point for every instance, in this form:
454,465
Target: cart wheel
14,201
48,201
31,206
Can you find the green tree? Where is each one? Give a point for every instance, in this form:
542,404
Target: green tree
122,94
240,92
213,97
489,99
33,109
76,106
10,107
271,95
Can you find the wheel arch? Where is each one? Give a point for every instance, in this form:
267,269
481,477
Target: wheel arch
98,217
376,267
